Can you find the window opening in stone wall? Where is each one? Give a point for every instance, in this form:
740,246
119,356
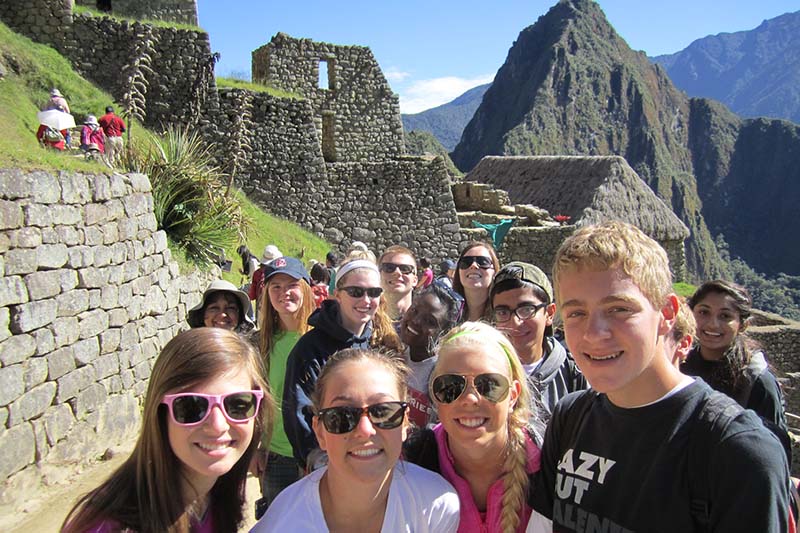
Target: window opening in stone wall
104,6
374,181
324,79
328,137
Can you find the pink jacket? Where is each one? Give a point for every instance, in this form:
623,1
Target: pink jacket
472,520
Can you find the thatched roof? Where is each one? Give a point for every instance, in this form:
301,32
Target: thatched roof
589,189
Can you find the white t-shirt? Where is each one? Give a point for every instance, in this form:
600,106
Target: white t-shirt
420,501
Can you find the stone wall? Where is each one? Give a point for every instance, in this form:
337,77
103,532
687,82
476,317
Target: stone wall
88,297
45,21
184,11
357,115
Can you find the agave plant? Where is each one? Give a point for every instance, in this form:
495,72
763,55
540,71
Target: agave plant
191,201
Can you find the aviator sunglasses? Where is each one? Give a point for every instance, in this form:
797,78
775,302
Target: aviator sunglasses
483,262
448,388
344,419
389,268
192,408
358,292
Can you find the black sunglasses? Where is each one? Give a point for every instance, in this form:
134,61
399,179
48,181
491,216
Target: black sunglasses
523,312
192,408
358,292
388,268
483,261
448,388
344,419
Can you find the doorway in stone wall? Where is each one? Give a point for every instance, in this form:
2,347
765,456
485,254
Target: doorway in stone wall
328,136
104,6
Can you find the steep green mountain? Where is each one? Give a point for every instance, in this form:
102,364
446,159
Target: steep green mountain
424,143
447,121
571,85
755,73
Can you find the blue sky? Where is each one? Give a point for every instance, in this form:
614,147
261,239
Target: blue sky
433,51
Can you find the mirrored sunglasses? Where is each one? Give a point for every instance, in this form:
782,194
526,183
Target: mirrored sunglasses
192,408
358,292
523,312
344,419
389,268
482,261
448,388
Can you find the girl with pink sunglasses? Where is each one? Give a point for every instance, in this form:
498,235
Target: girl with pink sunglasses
201,424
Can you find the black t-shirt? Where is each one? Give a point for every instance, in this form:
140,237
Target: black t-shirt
627,470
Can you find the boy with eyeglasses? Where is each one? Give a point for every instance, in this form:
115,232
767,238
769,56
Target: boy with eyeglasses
523,308
398,267
648,449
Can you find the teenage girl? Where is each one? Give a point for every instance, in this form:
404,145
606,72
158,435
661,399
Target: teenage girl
483,445
477,266
201,424
432,312
351,319
727,359
359,420
284,319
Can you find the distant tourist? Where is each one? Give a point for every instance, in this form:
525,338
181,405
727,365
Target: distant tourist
50,137
92,136
320,279
359,405
331,262
477,266
425,273
257,285
113,127
201,424
222,306
447,271
57,101
398,279
679,342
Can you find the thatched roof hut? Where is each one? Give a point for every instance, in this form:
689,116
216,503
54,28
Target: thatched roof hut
589,189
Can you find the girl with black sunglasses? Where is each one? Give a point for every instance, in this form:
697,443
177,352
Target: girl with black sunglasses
207,404
352,319
476,267
360,421
484,444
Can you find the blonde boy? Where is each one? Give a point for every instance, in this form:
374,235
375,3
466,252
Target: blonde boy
649,449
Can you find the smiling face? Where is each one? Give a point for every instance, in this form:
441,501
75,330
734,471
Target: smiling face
422,321
366,454
525,335
616,335
221,311
396,282
718,323
212,448
471,421
475,277
357,312
285,294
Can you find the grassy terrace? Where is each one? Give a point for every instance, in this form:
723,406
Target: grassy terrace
33,69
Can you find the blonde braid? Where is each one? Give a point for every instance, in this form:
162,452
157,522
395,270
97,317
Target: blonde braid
515,480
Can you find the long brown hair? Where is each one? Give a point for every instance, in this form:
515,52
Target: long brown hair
383,332
271,321
459,287
145,494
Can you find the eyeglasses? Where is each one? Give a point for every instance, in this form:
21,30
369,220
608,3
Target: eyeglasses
389,268
448,388
523,312
483,261
344,419
192,408
358,292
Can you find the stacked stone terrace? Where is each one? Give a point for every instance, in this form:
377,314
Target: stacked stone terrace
88,297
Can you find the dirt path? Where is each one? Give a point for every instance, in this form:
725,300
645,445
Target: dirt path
56,502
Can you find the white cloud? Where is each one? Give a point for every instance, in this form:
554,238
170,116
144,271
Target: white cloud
425,94
394,74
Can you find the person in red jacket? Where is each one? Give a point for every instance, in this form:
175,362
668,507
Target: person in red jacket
113,127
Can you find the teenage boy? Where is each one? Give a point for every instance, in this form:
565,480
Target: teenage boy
523,308
398,268
649,449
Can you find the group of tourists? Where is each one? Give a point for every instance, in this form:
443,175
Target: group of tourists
101,138
390,405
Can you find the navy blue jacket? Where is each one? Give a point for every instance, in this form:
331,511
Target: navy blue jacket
303,367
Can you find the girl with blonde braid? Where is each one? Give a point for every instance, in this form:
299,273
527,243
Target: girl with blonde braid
484,445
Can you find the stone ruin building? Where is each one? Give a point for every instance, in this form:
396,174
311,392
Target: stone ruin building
183,11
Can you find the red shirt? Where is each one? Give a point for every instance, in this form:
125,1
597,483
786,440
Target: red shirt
112,125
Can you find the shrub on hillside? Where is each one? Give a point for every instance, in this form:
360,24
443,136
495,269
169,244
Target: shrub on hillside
191,201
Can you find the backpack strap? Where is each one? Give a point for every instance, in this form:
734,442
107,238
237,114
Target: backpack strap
715,413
